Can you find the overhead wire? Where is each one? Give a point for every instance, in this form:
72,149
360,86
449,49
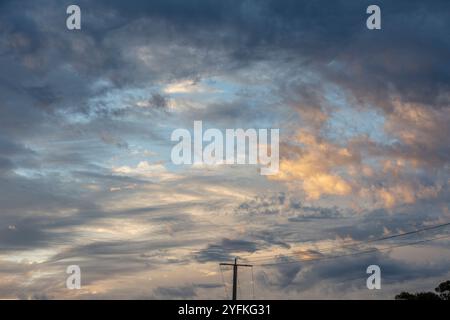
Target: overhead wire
223,280
355,244
354,253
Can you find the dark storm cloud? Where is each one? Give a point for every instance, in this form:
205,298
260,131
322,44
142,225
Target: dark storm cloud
158,101
410,50
331,39
380,222
286,205
223,251
8,148
23,236
11,153
226,114
183,292
186,292
348,271
32,212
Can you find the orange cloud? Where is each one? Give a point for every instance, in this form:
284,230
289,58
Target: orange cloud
314,166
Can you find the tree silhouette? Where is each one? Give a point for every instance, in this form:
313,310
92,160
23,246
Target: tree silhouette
444,290
443,293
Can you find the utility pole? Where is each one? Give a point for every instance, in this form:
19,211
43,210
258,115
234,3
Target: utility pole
235,266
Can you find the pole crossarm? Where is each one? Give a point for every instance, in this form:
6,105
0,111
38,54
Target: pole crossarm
235,266
239,265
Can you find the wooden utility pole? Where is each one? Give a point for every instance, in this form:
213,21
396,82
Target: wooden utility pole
235,266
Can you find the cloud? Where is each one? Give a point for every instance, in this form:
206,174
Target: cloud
326,279
187,292
85,122
314,167
224,250
146,171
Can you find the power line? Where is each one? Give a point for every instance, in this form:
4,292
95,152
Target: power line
223,280
253,285
368,241
330,248
236,283
357,253
354,253
235,266
239,287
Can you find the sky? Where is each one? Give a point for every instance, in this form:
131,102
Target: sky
86,176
